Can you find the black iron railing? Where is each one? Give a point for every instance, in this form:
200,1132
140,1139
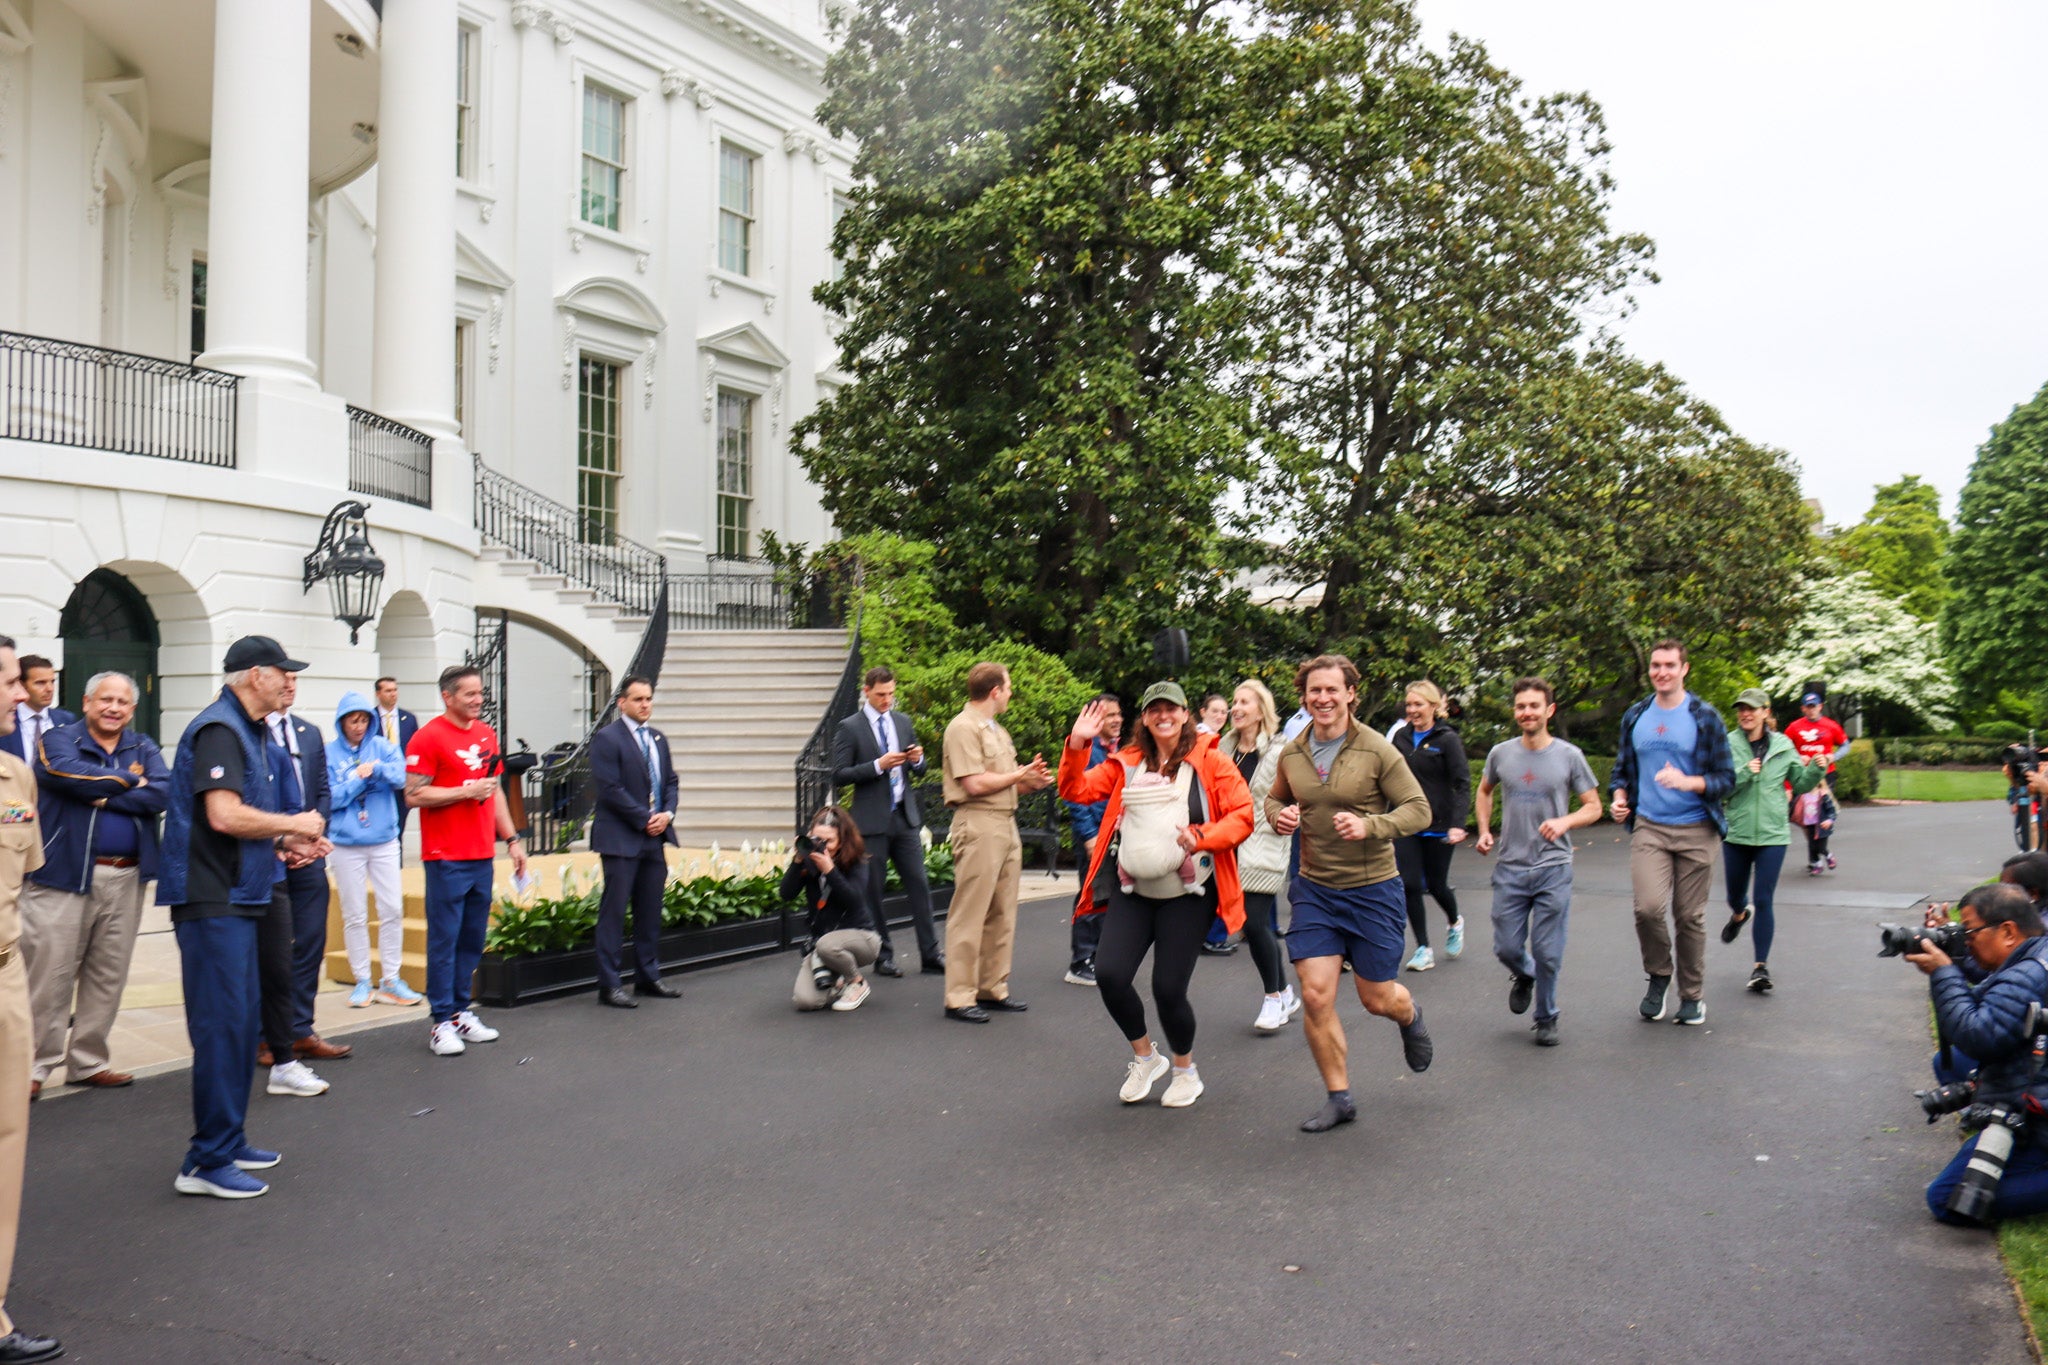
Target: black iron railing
547,532
559,794
67,394
814,785
487,656
389,459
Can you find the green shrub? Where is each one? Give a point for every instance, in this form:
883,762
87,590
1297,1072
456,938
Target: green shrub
1856,774
2004,731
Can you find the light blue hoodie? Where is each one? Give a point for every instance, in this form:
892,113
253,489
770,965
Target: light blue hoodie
365,808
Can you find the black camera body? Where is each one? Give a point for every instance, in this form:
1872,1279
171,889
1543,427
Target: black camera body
1946,1099
1895,939
2023,759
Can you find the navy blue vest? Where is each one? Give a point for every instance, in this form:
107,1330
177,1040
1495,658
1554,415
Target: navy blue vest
259,789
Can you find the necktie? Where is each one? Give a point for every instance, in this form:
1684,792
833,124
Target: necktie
888,745
35,738
653,781
391,727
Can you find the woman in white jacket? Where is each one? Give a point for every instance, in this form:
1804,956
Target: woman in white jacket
1253,743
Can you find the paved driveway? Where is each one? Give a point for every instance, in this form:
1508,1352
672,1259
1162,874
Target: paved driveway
719,1179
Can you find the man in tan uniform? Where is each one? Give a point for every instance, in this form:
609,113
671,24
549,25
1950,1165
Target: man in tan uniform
982,780
21,852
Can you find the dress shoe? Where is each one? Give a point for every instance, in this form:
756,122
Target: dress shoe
935,965
106,1079
971,1014
619,998
25,1348
888,968
263,1057
659,989
314,1046
1003,1006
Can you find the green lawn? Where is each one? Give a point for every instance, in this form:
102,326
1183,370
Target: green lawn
1941,784
2025,1245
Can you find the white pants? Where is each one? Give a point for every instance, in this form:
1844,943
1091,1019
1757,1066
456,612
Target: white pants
372,868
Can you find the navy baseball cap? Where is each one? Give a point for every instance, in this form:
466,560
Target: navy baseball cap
1810,699
258,651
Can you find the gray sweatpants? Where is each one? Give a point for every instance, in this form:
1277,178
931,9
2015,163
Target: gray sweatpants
843,952
1530,908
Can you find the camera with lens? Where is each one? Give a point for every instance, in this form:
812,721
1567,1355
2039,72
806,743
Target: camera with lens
2023,759
825,979
1946,1099
1895,939
1998,1126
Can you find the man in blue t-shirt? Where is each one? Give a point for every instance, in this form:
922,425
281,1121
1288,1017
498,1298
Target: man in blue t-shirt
1672,770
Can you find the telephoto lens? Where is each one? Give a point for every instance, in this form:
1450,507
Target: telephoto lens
825,978
1978,1189
1896,939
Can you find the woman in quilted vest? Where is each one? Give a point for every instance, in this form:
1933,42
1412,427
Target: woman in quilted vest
1253,744
1209,812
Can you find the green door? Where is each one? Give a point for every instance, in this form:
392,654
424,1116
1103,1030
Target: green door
108,627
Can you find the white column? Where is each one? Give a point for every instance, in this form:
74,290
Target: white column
412,355
256,222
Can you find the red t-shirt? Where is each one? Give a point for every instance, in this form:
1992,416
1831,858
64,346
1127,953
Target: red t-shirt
448,756
1816,738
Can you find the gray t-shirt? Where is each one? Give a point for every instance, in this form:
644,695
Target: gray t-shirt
1535,785
1323,752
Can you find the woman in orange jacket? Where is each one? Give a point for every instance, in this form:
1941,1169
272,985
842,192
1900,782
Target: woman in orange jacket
1210,808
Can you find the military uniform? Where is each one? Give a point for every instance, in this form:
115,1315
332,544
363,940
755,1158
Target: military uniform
988,861
21,852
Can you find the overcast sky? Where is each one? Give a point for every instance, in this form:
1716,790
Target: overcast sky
1849,201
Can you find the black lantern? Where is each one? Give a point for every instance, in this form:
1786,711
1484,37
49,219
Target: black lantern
343,556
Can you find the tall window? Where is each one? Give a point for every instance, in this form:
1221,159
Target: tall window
604,156
467,40
462,334
737,173
198,307
598,384
735,473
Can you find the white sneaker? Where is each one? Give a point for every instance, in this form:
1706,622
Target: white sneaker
852,997
1291,1000
295,1078
445,1041
473,1029
1183,1090
1139,1079
1272,1014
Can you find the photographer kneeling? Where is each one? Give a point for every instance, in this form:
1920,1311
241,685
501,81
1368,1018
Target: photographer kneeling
827,873
1994,1023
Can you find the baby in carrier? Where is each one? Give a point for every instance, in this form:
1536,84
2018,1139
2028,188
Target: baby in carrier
1155,812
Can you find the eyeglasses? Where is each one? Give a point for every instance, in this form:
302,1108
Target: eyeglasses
1978,930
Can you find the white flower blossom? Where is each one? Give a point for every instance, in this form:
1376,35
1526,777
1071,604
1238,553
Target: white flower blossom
1868,648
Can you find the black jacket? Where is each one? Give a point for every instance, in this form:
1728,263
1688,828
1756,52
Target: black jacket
839,903
1440,765
618,775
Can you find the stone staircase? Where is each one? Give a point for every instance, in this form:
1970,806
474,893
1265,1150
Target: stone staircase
737,706
506,581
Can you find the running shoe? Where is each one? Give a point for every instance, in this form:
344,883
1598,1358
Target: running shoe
1454,937
1760,978
1082,973
1143,1074
394,991
445,1041
295,1078
1272,1015
1732,930
852,997
1183,1090
1422,960
1816,869
473,1029
1416,1045
359,998
1546,1032
1291,1000
1691,1012
222,1182
1521,993
1831,862
1657,999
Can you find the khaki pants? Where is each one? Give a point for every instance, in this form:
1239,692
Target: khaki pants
14,1061
844,952
981,925
1673,865
83,944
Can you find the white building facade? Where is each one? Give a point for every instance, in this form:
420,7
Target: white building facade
533,281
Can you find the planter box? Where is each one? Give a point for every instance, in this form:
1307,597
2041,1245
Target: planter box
506,981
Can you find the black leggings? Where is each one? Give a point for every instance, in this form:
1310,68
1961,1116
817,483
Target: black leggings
1816,843
1425,863
1173,930
1264,943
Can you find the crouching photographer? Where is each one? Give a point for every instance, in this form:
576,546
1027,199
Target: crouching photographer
2001,1023
827,873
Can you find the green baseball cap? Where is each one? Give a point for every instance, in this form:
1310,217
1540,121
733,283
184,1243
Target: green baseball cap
1163,691
1754,696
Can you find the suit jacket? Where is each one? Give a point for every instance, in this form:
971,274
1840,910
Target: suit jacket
408,726
854,752
618,776
312,770
17,743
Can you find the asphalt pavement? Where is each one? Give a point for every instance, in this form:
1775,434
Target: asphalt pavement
721,1179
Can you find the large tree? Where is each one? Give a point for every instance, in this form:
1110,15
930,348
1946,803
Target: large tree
1046,298
1900,543
1996,566
1868,648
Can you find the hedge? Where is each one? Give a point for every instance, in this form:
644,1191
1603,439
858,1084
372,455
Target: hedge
1900,750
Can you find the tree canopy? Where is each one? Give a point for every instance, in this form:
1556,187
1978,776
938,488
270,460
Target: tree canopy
1995,566
1868,647
1900,543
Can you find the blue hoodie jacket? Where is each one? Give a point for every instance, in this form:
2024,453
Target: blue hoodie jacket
72,772
365,808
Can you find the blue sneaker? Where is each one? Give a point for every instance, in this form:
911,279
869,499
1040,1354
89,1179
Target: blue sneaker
249,1158
1454,937
222,1182
394,991
1422,960
359,998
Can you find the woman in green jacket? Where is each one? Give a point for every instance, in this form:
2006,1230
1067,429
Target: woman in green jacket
1760,822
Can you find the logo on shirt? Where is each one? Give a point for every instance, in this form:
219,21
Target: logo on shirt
135,768
473,756
415,760
1661,729
216,773
1529,777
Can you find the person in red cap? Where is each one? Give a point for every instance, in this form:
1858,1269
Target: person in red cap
1815,735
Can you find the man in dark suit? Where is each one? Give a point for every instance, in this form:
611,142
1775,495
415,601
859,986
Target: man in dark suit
38,715
398,726
306,886
634,779
875,751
